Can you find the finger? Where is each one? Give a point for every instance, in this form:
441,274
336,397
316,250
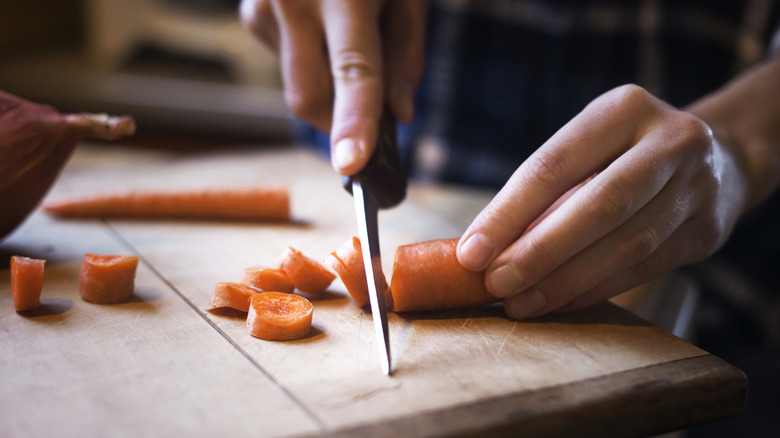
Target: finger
354,46
258,17
403,35
675,252
601,132
308,87
619,251
601,206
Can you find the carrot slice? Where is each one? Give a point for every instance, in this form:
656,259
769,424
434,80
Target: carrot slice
26,282
277,316
306,274
347,261
234,295
107,279
427,276
268,279
254,203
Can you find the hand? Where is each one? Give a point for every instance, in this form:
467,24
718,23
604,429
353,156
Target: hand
628,189
340,60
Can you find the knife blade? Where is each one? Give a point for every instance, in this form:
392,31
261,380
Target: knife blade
366,209
380,184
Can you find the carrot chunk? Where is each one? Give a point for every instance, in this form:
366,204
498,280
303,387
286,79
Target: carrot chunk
427,276
277,316
107,279
268,279
347,261
26,282
234,295
306,274
270,202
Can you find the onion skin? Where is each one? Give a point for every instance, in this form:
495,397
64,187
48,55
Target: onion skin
35,143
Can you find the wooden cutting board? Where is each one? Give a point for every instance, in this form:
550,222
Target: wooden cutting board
160,365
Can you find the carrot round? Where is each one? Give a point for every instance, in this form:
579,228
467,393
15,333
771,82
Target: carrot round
107,279
277,316
427,276
234,295
271,202
26,282
306,274
347,261
268,279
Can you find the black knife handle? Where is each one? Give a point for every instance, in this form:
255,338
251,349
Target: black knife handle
383,176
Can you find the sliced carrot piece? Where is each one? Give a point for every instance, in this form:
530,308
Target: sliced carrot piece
306,274
26,282
268,279
234,295
277,316
427,276
347,261
107,279
271,202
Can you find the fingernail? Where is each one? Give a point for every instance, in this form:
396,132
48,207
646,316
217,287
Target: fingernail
525,304
345,152
476,251
505,280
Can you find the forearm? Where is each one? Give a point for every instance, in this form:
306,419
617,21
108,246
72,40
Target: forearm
745,117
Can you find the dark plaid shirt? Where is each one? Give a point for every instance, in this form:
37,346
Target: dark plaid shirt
503,75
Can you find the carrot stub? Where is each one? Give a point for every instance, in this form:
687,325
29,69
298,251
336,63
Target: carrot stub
26,282
347,261
269,202
277,316
268,279
234,295
306,274
107,279
427,276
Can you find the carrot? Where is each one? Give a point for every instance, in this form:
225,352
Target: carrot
26,282
271,202
268,279
277,316
234,295
306,274
107,279
427,276
347,261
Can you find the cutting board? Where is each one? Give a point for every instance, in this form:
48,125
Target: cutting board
161,365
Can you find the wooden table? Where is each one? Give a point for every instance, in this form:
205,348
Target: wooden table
160,365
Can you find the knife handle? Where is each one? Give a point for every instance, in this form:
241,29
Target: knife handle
383,176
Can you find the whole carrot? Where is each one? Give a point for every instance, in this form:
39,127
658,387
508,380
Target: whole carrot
265,202
26,282
277,316
427,276
107,279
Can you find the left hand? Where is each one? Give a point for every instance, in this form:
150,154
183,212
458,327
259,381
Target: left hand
628,189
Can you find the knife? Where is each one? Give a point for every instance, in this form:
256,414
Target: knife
381,184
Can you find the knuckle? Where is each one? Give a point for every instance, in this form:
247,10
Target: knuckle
352,65
546,168
630,96
538,253
609,199
688,131
642,242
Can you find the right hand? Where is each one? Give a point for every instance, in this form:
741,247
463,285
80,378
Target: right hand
340,60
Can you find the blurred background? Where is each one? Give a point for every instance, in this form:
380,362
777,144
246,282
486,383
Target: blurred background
193,77
178,66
